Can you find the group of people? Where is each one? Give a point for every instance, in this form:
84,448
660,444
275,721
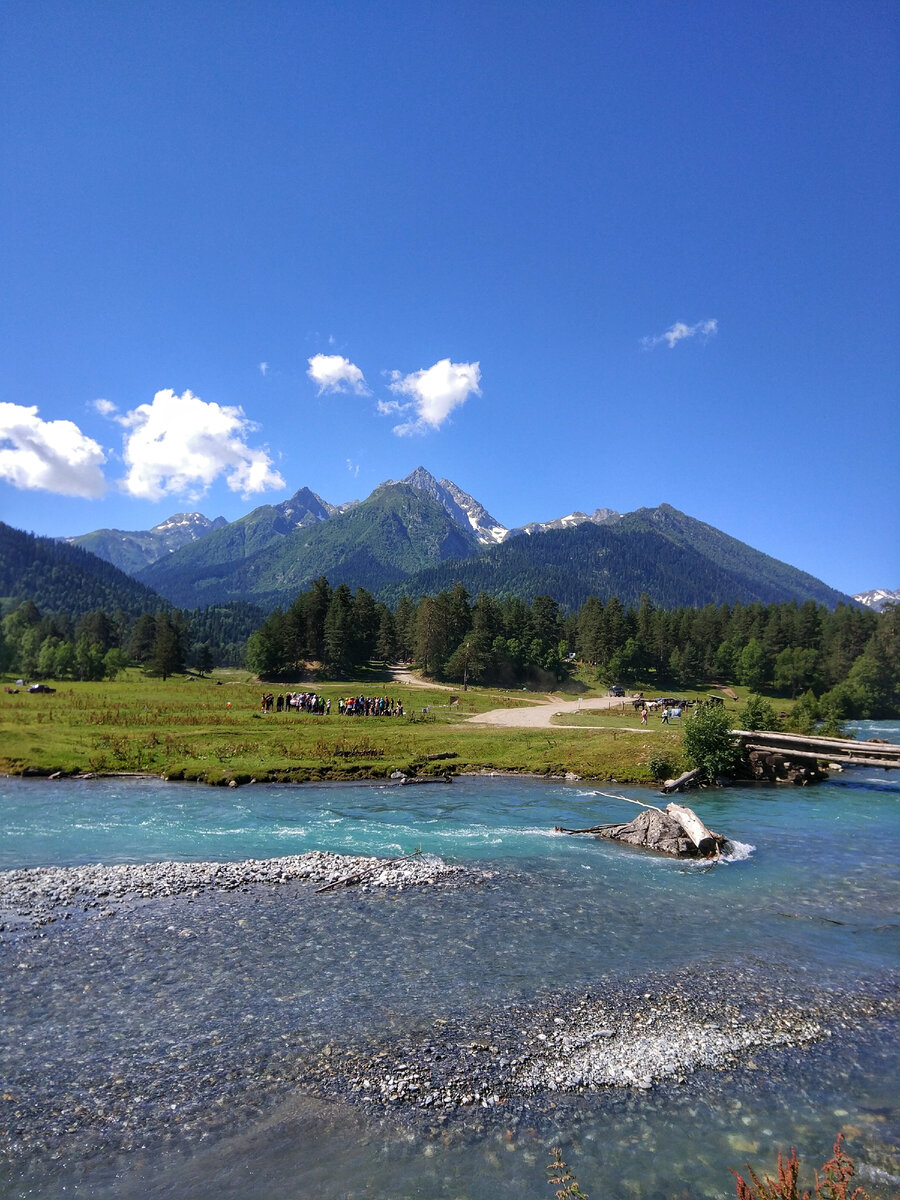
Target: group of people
311,702
308,702
370,706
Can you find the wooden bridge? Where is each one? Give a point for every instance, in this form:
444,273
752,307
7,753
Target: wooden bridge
799,746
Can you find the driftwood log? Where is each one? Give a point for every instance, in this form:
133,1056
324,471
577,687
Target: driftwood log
685,780
357,877
677,831
776,766
703,839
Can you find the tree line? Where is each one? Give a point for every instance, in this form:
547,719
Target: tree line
849,656
101,644
847,659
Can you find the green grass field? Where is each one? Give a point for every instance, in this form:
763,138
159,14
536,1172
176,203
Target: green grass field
212,729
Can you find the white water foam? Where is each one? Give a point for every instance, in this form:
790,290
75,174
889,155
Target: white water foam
740,852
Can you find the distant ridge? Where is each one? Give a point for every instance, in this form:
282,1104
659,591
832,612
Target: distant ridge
420,534
131,550
661,552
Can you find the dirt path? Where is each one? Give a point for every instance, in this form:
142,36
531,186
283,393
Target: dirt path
538,714
401,675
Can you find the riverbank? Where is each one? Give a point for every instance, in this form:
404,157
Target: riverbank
218,734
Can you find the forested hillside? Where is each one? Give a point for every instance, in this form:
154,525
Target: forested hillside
66,579
671,557
68,614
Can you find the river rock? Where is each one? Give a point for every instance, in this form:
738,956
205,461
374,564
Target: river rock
653,830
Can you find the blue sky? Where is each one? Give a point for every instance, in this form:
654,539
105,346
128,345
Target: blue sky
568,255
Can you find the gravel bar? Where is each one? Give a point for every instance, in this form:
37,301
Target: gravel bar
40,895
590,1042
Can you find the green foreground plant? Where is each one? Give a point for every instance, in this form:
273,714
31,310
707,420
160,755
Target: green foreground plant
560,1177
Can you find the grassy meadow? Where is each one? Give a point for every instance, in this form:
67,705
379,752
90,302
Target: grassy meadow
212,729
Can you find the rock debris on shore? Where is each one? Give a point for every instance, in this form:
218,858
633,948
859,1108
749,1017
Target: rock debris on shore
41,895
574,1044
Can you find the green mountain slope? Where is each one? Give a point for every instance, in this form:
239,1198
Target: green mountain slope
398,530
405,538
203,567
66,579
674,558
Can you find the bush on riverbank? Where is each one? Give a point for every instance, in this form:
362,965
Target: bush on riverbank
708,743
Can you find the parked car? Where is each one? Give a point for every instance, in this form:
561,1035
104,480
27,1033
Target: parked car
41,687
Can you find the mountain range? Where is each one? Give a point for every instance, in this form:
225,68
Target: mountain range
420,534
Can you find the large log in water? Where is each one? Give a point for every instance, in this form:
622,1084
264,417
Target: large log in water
652,830
703,839
662,831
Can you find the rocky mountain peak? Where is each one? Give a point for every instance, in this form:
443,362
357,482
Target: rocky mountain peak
879,598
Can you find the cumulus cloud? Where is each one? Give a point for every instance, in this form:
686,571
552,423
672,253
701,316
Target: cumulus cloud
679,331
105,408
53,456
434,394
181,444
334,373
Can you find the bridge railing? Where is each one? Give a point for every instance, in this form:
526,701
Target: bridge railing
800,745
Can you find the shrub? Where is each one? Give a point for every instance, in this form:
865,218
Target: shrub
708,743
758,714
661,767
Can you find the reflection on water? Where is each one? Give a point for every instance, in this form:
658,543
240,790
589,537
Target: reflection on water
161,1049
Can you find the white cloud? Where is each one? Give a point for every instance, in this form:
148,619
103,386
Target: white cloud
181,444
353,468
105,408
679,331
264,369
434,393
54,456
334,373
387,408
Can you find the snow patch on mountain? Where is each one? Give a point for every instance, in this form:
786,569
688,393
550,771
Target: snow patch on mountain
600,516
470,513
879,598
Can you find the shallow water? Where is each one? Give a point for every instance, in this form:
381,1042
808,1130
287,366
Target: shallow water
161,1050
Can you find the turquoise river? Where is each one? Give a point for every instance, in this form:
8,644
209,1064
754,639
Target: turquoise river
174,1047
